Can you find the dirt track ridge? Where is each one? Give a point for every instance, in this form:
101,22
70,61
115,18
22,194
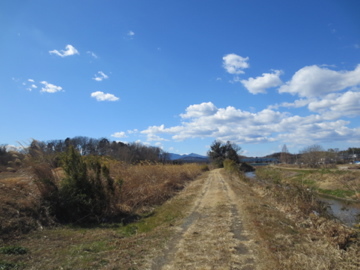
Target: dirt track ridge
212,235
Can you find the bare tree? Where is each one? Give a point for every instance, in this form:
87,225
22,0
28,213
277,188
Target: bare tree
313,156
285,156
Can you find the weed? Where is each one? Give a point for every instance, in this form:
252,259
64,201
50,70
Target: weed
268,174
8,266
16,250
339,193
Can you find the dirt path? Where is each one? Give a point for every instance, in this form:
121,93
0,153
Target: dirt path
212,236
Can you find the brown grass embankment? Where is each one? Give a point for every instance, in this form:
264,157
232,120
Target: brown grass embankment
143,187
147,185
296,228
110,245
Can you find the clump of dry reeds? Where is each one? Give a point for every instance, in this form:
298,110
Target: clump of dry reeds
147,184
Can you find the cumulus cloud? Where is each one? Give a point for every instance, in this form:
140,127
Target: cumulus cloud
334,106
296,104
69,50
234,64
120,134
199,110
155,138
50,88
205,120
131,33
101,96
261,83
315,81
100,76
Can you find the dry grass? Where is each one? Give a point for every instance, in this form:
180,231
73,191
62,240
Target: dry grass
107,246
295,229
147,185
144,186
342,182
19,211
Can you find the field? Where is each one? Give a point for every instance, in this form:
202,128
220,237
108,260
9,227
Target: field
184,217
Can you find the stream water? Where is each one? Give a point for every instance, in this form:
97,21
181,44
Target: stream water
346,212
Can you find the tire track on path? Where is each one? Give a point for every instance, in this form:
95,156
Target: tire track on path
212,235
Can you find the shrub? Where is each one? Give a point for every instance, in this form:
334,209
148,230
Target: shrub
231,166
87,193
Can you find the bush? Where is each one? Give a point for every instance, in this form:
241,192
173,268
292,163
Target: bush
87,193
231,166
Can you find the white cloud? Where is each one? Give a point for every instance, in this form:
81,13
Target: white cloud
70,50
234,64
296,104
121,134
314,81
199,110
32,84
154,138
133,131
205,120
50,88
100,76
101,96
131,33
335,106
92,54
260,84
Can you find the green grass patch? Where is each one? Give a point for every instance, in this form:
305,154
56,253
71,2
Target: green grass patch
269,174
304,180
340,193
14,250
93,247
9,266
163,215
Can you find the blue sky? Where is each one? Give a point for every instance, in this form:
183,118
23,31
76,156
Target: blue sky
180,74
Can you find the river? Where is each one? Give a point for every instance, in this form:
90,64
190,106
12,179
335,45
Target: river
346,212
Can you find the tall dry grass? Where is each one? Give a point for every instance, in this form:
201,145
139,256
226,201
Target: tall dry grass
146,185
298,230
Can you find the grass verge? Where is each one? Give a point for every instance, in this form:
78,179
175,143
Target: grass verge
105,246
292,226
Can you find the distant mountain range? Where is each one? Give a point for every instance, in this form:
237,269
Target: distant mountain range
189,158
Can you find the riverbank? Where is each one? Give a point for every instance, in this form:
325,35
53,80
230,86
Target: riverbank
338,183
297,225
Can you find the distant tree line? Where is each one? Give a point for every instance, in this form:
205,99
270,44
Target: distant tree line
130,153
315,156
